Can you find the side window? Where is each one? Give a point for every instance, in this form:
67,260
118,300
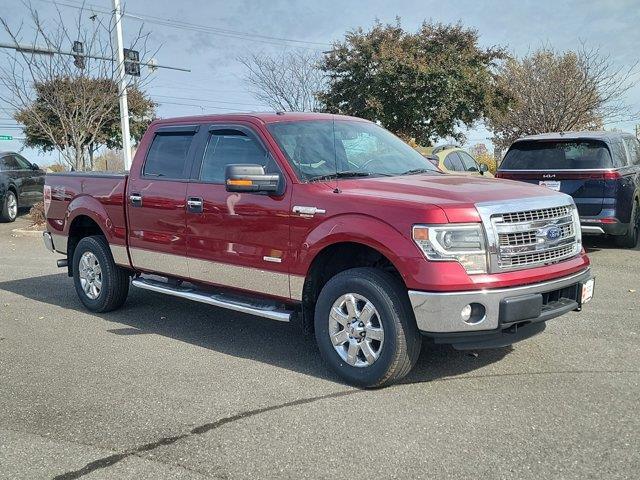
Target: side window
229,147
8,163
618,153
24,165
468,162
633,147
167,156
453,163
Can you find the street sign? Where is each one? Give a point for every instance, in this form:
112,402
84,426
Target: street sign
131,62
6,137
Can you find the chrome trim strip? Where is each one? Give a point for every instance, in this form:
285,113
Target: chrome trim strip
439,312
592,230
296,285
577,170
272,259
219,273
120,255
48,241
217,300
59,242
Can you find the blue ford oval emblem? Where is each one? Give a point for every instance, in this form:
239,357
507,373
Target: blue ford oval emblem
554,233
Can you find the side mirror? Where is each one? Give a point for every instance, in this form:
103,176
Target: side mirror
483,168
34,166
251,179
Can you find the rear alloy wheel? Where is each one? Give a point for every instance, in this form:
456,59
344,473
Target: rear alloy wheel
10,207
630,239
101,285
365,328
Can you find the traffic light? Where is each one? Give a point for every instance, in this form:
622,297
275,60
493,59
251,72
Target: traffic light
78,60
131,62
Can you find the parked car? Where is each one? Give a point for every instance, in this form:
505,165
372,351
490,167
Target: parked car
327,219
600,170
21,184
454,160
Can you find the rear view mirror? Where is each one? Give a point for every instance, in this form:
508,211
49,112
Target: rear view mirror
251,179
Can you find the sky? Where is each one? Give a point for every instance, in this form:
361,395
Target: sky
211,45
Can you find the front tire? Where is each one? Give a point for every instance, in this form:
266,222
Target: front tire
630,239
365,328
101,285
9,211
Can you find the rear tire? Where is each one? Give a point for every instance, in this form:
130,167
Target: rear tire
357,308
630,239
9,211
101,285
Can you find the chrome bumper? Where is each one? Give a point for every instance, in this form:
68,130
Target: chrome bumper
440,312
48,241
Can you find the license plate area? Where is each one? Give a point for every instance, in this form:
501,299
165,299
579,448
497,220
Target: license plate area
586,291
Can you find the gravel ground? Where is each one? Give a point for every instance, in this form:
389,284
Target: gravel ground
164,388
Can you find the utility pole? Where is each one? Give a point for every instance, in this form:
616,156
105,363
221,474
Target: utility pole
122,88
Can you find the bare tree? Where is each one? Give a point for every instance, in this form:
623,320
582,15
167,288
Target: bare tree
550,91
289,82
68,105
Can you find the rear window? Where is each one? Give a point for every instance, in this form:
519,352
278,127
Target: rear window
167,156
561,155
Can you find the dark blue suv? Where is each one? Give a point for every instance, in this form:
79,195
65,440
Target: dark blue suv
600,170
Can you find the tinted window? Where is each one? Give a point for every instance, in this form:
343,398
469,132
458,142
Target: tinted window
167,156
633,146
453,162
562,155
9,162
468,162
324,147
229,147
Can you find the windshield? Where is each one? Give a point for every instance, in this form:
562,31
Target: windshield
557,155
320,149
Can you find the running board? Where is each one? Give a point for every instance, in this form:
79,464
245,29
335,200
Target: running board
266,310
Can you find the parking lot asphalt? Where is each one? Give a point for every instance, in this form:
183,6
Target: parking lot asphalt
165,388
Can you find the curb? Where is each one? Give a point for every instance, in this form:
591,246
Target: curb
27,233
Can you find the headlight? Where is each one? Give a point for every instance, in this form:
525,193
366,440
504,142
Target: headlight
462,243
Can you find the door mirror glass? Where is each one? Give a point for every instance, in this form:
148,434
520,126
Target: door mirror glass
35,166
251,179
483,168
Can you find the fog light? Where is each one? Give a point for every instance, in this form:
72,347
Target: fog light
473,314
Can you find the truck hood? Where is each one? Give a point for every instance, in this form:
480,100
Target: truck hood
455,195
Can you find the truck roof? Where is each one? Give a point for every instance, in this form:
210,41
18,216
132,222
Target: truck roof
265,117
594,134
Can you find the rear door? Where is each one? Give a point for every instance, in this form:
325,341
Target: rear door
576,167
156,208
237,240
33,180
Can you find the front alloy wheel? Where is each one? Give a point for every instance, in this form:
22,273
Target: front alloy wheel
356,330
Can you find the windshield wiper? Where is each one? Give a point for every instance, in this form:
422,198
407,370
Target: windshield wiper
416,171
346,174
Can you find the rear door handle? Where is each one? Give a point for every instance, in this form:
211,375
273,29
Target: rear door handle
194,204
136,199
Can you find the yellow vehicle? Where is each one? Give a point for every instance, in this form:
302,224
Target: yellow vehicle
454,160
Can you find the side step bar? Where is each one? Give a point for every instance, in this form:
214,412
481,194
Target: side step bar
266,310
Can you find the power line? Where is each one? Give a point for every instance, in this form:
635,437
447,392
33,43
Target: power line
209,101
268,39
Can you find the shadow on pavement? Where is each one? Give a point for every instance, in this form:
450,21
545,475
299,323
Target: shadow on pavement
235,334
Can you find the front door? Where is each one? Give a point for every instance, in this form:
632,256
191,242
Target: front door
156,196
237,240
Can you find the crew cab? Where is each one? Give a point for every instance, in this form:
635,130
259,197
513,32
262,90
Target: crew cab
327,220
600,170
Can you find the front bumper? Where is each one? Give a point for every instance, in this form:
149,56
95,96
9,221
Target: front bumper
439,314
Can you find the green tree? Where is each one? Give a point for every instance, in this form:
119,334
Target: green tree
419,85
60,117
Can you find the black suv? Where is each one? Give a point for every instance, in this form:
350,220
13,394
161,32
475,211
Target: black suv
21,184
600,170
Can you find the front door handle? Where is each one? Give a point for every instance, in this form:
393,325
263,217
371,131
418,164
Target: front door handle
136,199
194,204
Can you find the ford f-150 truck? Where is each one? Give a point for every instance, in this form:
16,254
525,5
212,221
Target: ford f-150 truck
328,220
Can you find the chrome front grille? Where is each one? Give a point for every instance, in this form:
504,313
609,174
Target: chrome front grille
540,214
530,232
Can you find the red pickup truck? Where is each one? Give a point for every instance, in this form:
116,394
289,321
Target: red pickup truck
329,220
